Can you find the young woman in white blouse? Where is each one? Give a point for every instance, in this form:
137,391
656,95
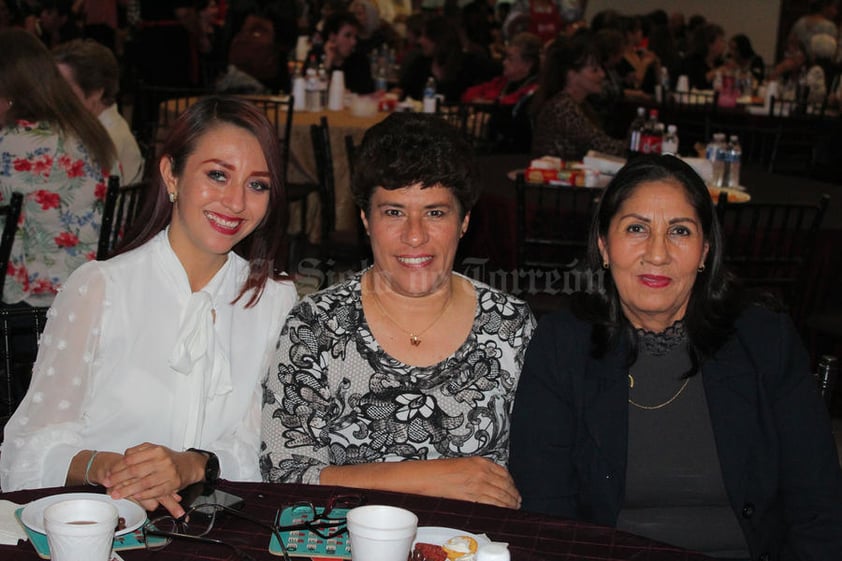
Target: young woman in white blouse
148,373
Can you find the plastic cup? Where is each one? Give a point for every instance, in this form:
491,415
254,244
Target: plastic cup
381,533
683,84
80,530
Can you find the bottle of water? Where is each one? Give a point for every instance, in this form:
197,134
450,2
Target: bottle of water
714,153
717,81
429,102
662,88
381,79
635,130
826,376
735,154
311,91
670,142
323,83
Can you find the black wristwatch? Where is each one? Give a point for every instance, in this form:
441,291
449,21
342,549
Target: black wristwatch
211,467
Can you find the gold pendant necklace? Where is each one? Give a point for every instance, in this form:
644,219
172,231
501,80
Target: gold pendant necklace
414,338
660,405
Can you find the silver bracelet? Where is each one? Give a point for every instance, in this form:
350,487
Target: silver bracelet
88,468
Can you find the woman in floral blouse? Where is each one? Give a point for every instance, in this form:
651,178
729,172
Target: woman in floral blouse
402,377
59,156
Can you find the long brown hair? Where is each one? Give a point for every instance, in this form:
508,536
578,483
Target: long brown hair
266,245
30,79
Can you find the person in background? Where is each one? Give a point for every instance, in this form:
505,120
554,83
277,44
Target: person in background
741,57
57,22
822,73
401,378
565,125
340,53
794,60
93,73
669,406
59,156
453,69
639,66
148,374
820,18
372,32
520,74
705,57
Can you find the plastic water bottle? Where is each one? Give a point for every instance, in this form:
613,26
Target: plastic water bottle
714,153
735,154
312,94
670,142
429,102
635,130
323,83
380,80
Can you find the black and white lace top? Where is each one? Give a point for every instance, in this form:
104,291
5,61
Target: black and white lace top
336,398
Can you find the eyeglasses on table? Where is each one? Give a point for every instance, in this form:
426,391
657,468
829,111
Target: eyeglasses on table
328,523
314,530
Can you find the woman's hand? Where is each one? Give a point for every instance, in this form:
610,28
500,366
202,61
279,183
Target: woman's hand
474,479
149,471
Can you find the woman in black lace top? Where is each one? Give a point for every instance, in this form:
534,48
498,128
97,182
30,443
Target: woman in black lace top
663,405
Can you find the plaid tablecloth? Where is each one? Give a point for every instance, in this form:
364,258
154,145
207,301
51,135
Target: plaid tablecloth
530,537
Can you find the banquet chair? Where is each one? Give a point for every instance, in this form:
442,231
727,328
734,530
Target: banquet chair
336,247
770,247
122,206
11,214
552,223
801,129
690,112
20,330
474,120
150,124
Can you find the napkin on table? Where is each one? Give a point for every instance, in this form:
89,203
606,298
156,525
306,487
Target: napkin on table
10,529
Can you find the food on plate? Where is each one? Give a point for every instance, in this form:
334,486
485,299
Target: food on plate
734,195
121,524
458,548
428,552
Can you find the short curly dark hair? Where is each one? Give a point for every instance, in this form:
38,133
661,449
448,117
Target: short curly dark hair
410,148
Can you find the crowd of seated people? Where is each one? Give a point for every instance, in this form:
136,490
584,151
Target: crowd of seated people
628,410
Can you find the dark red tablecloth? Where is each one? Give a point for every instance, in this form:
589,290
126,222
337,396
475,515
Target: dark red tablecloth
531,537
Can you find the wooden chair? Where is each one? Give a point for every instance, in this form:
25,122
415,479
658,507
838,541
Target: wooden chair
122,205
335,247
20,330
800,128
474,120
11,212
552,224
769,247
690,112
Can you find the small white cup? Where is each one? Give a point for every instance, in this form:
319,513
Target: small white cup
683,84
494,551
381,533
80,530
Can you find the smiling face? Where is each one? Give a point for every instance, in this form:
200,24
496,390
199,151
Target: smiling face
345,40
414,235
223,195
654,247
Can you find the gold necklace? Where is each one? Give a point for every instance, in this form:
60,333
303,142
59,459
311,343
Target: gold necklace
414,338
660,405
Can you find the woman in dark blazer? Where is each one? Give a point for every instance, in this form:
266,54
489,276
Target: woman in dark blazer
664,406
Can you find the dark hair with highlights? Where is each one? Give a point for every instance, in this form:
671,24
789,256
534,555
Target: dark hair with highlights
714,299
409,148
266,245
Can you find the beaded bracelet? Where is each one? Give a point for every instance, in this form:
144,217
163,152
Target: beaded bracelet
88,468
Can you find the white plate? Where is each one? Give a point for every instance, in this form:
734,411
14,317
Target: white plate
33,513
437,535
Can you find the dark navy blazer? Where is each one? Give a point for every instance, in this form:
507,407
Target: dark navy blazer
777,454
